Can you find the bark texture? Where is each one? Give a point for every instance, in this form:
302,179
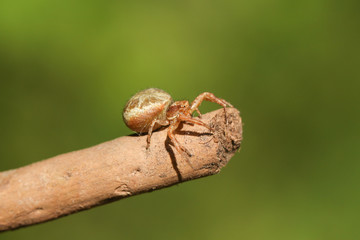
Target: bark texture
116,169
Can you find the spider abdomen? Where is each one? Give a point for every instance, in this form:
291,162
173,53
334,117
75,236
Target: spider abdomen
144,107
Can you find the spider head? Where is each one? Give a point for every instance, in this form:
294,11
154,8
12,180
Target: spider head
177,108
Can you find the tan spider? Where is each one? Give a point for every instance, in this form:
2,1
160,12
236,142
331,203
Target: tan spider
152,108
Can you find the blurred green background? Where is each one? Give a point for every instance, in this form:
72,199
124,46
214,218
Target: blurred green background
291,67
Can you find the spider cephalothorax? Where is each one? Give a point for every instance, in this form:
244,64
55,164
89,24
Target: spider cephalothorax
152,108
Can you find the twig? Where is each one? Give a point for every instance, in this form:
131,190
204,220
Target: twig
116,169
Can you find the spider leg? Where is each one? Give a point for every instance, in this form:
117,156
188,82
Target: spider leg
208,97
194,121
211,98
197,110
160,122
198,122
176,143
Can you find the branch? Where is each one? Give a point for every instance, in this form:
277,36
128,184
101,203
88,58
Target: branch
113,170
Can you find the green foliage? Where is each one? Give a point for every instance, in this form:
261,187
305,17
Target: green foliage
292,68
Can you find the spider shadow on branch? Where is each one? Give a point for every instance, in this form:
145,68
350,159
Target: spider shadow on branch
173,158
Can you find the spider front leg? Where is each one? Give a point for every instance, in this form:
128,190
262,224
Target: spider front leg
199,113
155,121
208,97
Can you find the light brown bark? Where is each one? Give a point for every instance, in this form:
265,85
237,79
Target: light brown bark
116,169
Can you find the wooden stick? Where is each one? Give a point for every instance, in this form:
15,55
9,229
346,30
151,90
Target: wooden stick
113,170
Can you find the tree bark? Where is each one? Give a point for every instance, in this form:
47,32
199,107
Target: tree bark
116,169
